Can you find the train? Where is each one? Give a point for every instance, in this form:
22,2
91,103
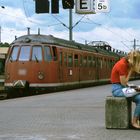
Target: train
39,63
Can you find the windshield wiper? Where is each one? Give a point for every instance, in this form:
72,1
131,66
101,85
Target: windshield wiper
36,58
11,59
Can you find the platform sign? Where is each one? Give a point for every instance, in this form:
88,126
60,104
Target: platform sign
92,6
85,6
102,6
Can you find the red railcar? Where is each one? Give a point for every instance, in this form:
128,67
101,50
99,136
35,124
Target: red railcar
43,63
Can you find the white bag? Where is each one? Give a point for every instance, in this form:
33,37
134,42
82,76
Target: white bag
129,92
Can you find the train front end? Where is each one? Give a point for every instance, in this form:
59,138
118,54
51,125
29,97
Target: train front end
29,68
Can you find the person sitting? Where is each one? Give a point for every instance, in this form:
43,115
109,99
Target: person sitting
120,75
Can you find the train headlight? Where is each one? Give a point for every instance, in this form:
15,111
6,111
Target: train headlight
41,75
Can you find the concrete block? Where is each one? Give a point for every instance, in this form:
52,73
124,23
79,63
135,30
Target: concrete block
118,112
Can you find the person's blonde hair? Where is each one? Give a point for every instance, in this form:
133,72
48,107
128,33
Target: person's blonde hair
134,60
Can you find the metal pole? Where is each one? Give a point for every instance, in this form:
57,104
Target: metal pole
0,34
70,25
134,44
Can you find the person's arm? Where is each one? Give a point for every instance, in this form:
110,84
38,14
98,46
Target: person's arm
124,80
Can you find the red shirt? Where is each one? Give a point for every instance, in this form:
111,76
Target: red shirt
119,69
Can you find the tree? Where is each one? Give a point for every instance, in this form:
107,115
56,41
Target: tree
4,44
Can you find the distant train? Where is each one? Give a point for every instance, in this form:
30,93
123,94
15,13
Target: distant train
43,63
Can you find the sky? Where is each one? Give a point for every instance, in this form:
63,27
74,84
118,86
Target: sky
119,27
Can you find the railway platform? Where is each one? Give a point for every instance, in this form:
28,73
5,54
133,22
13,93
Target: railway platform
69,115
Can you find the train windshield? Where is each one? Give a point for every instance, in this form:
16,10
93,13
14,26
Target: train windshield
24,53
14,53
30,53
48,56
37,53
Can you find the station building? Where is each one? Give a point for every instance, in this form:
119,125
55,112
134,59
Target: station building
3,54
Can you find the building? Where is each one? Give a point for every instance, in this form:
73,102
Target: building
3,53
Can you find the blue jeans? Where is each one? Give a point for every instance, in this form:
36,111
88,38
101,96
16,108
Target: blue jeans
117,92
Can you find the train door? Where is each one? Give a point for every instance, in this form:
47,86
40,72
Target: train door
51,63
61,69
69,71
83,67
94,67
97,68
76,68
65,66
102,73
80,67
68,66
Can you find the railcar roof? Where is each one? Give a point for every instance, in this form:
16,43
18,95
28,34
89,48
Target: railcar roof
49,39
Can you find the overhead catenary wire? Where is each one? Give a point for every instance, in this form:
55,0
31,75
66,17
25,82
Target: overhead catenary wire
126,31
29,19
65,24
60,21
110,18
25,11
107,28
125,45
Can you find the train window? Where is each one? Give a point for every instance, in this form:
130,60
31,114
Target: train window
54,53
61,55
65,59
81,60
76,60
70,62
24,53
105,63
98,64
48,56
37,53
93,62
85,61
89,61
111,63
14,53
101,63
